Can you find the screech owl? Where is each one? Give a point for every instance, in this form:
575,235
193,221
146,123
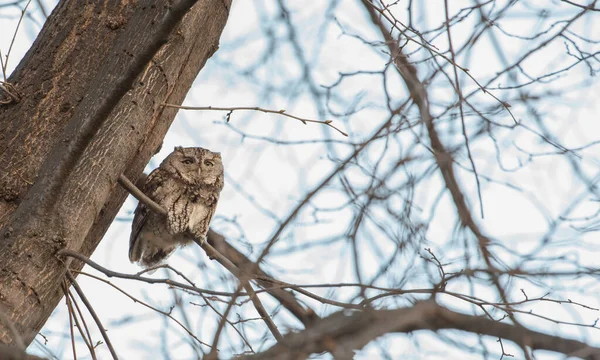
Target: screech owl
187,185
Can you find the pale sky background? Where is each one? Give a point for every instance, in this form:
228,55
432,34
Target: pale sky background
264,181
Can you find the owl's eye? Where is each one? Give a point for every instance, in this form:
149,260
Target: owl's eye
208,163
187,161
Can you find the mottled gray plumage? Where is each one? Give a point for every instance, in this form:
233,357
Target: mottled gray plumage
186,184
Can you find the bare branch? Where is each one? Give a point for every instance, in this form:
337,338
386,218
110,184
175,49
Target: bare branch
341,332
226,252
4,63
110,273
244,281
93,313
254,108
214,254
303,312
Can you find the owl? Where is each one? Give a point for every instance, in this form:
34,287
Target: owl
187,185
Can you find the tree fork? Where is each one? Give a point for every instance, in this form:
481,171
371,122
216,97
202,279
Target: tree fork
67,78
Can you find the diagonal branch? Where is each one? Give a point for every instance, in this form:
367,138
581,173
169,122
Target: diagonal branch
213,254
418,93
443,158
304,313
92,312
244,281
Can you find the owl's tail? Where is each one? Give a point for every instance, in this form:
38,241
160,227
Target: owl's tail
147,254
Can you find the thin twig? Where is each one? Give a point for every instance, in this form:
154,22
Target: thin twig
255,108
42,8
167,267
87,337
213,352
110,273
460,107
93,313
71,315
244,281
299,289
5,63
134,299
71,308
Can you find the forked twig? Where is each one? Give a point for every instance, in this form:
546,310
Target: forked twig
212,355
87,335
165,313
71,317
93,313
245,282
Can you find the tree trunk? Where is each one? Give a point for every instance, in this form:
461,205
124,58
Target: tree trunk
84,48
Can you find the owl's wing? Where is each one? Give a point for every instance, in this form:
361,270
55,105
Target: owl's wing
151,186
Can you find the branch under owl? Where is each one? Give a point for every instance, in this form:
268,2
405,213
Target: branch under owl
138,194
217,248
212,254
304,313
255,108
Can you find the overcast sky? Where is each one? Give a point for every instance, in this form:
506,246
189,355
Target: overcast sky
531,187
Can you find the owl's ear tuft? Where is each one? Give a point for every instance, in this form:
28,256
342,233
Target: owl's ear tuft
178,148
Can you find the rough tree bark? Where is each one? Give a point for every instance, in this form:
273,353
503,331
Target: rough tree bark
82,49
